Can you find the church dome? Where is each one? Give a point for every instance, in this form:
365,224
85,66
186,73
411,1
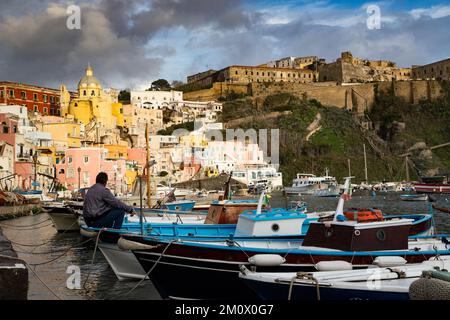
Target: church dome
89,81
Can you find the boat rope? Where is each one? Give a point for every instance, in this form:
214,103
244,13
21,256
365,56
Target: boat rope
93,256
230,241
36,275
150,271
30,228
304,276
43,243
400,274
12,226
65,251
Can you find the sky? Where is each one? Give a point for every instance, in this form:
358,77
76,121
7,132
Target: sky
131,43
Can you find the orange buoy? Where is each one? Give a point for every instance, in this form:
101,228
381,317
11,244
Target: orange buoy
364,215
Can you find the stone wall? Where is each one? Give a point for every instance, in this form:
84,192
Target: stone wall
356,97
218,89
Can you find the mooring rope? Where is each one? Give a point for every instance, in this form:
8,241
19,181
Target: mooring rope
148,273
13,226
35,274
93,256
43,243
61,255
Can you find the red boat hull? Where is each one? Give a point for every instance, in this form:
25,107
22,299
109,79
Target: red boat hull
431,188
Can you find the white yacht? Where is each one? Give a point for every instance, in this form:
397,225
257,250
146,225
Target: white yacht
309,184
253,175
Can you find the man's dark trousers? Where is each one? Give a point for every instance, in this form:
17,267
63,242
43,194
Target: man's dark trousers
111,219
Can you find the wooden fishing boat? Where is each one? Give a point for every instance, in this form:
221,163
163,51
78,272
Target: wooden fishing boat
64,215
195,269
446,210
436,184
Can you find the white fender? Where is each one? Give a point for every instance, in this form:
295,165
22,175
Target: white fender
88,234
266,260
132,245
389,261
337,265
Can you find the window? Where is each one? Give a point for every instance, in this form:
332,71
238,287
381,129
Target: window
44,97
69,160
5,128
36,109
70,173
35,96
15,129
92,93
24,95
84,93
11,93
45,110
86,159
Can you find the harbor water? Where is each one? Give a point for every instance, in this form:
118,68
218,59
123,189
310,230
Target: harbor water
56,257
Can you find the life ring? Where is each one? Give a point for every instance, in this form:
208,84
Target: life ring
364,215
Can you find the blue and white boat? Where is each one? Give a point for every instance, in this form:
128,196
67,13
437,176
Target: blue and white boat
179,205
375,283
414,197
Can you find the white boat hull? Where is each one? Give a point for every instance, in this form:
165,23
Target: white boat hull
65,221
122,262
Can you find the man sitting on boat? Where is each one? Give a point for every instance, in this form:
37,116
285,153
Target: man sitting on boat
101,209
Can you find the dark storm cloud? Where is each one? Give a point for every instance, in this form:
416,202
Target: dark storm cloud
224,14
39,48
132,42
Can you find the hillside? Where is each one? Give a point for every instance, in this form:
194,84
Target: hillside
335,135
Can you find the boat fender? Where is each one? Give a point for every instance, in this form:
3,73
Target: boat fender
266,260
389,261
88,234
132,245
337,265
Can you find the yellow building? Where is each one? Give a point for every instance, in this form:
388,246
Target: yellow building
94,104
66,133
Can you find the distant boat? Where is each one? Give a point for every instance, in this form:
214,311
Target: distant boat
434,184
308,184
414,197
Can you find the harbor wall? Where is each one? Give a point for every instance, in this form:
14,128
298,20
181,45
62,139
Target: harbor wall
13,273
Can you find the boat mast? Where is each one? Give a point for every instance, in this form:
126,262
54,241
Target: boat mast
406,168
147,144
365,163
349,168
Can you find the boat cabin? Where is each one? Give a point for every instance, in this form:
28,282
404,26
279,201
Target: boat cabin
228,211
272,223
351,235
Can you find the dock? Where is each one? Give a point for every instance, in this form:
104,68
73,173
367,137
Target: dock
13,273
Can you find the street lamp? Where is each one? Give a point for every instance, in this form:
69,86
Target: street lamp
35,160
79,179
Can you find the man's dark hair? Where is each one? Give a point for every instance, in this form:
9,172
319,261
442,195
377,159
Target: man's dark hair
102,178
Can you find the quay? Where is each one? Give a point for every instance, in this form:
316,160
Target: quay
13,273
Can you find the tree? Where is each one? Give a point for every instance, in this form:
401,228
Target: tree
177,83
160,85
124,96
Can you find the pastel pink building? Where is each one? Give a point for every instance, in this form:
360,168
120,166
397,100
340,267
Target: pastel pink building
80,167
138,155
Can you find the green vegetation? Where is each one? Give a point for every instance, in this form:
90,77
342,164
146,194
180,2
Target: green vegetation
160,85
124,96
189,126
189,87
396,126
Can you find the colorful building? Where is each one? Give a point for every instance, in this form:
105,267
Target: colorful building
94,104
81,166
37,99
